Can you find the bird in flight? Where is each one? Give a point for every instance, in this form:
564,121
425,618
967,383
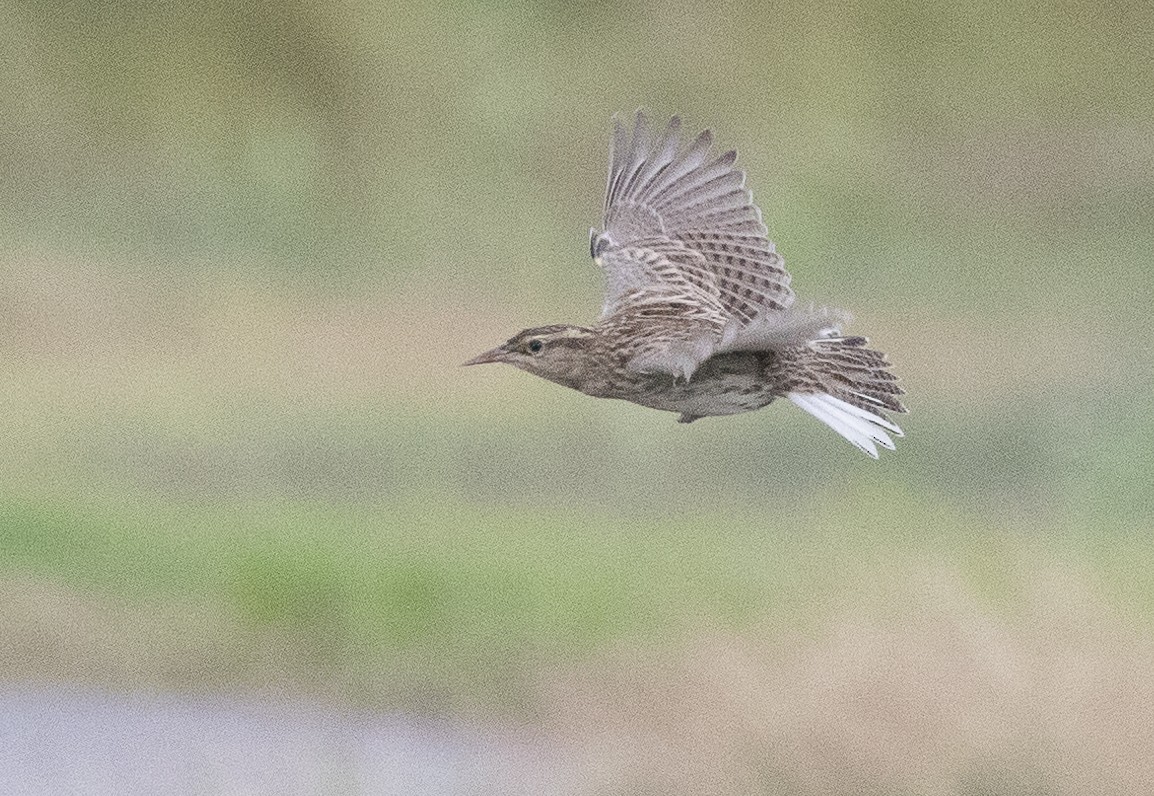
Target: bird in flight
698,316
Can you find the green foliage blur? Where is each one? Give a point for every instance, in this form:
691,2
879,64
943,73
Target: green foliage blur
243,248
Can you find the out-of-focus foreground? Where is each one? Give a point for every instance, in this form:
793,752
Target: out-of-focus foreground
243,249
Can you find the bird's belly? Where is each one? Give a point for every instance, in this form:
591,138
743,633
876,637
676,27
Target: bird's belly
730,396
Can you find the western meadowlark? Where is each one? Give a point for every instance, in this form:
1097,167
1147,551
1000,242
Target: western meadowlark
698,315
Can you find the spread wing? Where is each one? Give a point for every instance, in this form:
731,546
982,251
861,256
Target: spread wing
681,231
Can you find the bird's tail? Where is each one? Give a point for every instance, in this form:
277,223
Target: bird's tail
846,386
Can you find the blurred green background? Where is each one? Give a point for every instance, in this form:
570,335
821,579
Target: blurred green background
243,248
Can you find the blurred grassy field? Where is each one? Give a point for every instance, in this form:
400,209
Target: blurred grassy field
242,251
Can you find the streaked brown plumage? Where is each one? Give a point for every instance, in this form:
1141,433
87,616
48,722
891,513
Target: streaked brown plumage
699,317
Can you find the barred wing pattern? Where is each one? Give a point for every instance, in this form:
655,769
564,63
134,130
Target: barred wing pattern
682,230
663,288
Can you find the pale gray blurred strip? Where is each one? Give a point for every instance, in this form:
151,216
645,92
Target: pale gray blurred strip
59,740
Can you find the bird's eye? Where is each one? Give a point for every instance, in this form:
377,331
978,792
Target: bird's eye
535,346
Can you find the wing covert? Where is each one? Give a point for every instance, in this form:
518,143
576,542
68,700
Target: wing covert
662,309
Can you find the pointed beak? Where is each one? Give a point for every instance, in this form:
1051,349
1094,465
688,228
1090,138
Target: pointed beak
495,355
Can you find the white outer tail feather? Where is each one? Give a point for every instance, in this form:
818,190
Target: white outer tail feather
863,428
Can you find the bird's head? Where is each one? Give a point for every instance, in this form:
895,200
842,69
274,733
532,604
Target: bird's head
557,353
